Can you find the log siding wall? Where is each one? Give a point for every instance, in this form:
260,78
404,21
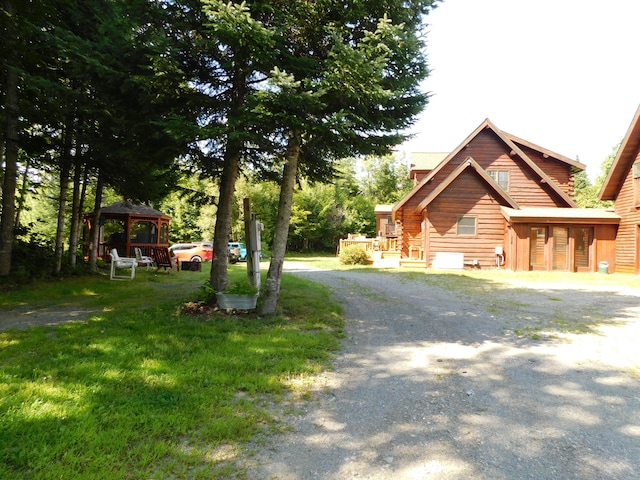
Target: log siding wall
626,243
559,172
467,196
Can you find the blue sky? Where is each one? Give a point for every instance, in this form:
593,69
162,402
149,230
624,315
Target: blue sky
563,74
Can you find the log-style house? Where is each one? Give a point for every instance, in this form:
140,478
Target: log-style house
622,185
500,201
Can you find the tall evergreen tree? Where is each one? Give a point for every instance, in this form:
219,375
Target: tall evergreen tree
21,54
347,84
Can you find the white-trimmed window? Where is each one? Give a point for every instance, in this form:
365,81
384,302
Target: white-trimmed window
466,226
501,177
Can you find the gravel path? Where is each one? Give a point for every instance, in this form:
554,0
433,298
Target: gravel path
473,381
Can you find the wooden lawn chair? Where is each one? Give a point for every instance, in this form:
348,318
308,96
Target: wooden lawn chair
122,262
164,259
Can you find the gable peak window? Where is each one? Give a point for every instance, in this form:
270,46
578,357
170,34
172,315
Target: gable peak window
501,177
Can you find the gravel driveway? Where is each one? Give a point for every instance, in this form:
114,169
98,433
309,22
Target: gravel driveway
473,380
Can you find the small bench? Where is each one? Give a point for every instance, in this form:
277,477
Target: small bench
448,261
417,249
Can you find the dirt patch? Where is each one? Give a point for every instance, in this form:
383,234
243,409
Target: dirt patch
29,316
22,318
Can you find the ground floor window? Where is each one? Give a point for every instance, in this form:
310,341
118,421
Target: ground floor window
466,226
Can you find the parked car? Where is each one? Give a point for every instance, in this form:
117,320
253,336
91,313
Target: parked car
193,251
239,249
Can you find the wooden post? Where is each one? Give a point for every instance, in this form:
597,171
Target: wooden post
252,243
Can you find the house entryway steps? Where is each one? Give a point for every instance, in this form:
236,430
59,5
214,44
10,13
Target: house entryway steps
382,259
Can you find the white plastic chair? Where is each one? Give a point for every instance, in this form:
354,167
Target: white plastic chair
122,262
143,259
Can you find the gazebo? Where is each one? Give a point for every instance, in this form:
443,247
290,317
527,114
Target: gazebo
125,225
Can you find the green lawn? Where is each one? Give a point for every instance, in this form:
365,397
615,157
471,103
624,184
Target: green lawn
144,390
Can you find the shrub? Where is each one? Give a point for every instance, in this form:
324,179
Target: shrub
31,260
353,255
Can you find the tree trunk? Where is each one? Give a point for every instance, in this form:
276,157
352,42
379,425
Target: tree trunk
65,171
23,192
76,212
219,277
281,231
7,225
95,226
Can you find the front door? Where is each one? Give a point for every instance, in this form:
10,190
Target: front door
582,240
538,248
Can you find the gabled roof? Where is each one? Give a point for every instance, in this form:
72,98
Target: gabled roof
126,207
627,154
515,149
546,152
424,161
560,215
469,163
383,208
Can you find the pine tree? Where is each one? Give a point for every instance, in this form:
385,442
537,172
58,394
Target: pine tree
347,85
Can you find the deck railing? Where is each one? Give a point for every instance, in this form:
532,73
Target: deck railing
370,245
366,243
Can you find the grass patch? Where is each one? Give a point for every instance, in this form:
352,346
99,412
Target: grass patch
500,293
141,390
325,261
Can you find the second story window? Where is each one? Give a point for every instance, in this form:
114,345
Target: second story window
501,177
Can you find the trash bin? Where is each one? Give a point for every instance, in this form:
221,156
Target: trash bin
603,267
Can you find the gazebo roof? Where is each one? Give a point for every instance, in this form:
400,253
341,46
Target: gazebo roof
126,207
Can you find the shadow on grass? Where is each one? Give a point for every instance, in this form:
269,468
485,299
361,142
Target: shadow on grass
138,390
